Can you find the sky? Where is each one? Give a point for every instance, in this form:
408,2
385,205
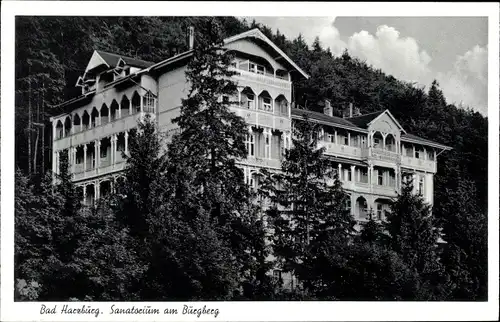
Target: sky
452,50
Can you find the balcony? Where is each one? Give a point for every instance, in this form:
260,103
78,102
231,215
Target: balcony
261,162
90,173
246,76
384,155
100,131
343,150
418,164
263,118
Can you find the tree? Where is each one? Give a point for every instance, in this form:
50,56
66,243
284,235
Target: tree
209,143
465,232
414,236
308,204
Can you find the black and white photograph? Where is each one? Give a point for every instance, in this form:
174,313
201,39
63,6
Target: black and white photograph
160,166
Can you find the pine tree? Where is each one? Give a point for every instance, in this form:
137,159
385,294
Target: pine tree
209,143
308,205
465,232
414,235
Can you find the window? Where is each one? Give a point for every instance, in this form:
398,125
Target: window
283,107
267,147
266,104
363,142
277,274
364,175
349,175
409,151
417,154
79,158
376,142
250,144
421,185
380,178
149,103
225,99
331,138
104,152
256,68
379,211
348,203
430,155
250,101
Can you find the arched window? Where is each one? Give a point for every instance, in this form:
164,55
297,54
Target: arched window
104,114
136,103
76,122
248,98
149,102
281,105
114,110
67,126
59,130
265,102
85,121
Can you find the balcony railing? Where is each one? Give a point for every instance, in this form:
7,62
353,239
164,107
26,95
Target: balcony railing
263,79
259,118
88,135
79,174
384,155
342,150
419,164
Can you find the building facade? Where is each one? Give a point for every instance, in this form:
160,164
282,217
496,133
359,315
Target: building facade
371,151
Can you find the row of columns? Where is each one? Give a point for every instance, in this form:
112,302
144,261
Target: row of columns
285,141
98,118
97,154
256,101
370,174
97,188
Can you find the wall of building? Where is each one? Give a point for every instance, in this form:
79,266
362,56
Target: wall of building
247,46
172,88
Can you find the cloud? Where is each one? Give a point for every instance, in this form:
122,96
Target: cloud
467,82
400,57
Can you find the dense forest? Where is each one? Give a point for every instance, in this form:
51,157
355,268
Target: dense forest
51,52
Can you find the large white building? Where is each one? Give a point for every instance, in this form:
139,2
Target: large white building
371,151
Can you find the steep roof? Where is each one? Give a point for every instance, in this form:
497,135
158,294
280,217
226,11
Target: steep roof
256,33
298,113
112,60
365,119
416,139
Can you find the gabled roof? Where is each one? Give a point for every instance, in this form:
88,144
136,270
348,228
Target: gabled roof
366,120
256,33
110,60
113,59
416,139
334,120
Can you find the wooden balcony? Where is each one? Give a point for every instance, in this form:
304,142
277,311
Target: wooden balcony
261,162
105,130
91,173
262,118
246,76
343,150
419,164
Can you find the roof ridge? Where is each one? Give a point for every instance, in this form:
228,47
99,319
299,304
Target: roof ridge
122,56
381,111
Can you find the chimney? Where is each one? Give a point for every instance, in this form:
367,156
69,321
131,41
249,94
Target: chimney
350,109
328,108
191,37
